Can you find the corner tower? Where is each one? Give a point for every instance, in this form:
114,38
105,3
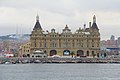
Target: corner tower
37,25
36,36
94,25
95,38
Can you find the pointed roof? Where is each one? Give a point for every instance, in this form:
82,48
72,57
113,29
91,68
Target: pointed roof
94,25
66,28
37,24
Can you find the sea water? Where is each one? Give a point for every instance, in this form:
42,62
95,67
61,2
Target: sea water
60,71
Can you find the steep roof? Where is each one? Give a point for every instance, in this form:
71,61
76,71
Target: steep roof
37,24
94,26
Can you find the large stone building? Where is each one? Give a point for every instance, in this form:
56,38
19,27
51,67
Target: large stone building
83,42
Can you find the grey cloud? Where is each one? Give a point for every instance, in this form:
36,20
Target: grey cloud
64,7
57,13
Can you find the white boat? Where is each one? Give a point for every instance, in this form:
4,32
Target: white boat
37,61
7,62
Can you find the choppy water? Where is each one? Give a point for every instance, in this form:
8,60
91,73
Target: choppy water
60,72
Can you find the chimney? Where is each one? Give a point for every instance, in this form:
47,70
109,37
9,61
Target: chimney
89,24
84,26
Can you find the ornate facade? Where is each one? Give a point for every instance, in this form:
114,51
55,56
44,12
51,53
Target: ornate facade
83,42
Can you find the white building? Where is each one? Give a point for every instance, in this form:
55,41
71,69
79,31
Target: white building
39,54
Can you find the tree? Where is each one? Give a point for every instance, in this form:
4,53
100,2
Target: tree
72,53
93,55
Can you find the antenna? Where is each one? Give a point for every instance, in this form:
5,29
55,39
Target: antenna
17,30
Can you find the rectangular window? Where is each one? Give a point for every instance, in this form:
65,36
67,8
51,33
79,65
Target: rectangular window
59,35
72,35
35,44
55,45
82,45
98,45
73,45
51,45
92,44
73,40
87,45
40,44
60,43
45,35
45,44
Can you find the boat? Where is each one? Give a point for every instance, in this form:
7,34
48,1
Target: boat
37,61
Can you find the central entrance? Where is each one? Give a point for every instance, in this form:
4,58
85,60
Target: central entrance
66,52
80,53
53,52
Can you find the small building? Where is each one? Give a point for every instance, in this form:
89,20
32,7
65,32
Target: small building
39,54
8,54
24,50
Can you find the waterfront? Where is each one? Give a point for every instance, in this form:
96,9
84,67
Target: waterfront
25,60
60,71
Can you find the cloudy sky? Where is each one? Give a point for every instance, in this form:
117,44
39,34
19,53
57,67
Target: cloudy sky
18,16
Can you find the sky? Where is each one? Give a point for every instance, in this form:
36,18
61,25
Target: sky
19,16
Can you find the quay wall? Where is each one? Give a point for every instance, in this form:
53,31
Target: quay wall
60,60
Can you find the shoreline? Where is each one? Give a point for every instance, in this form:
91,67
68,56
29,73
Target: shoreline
58,60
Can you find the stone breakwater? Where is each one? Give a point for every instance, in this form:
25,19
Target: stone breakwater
17,60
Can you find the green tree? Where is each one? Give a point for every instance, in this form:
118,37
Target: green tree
72,53
93,54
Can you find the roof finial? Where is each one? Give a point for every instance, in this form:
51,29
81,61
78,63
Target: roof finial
94,19
37,18
66,26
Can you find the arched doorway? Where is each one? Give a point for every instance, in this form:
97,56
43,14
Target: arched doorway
45,51
24,55
66,52
53,52
98,55
87,53
93,54
80,53
28,55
